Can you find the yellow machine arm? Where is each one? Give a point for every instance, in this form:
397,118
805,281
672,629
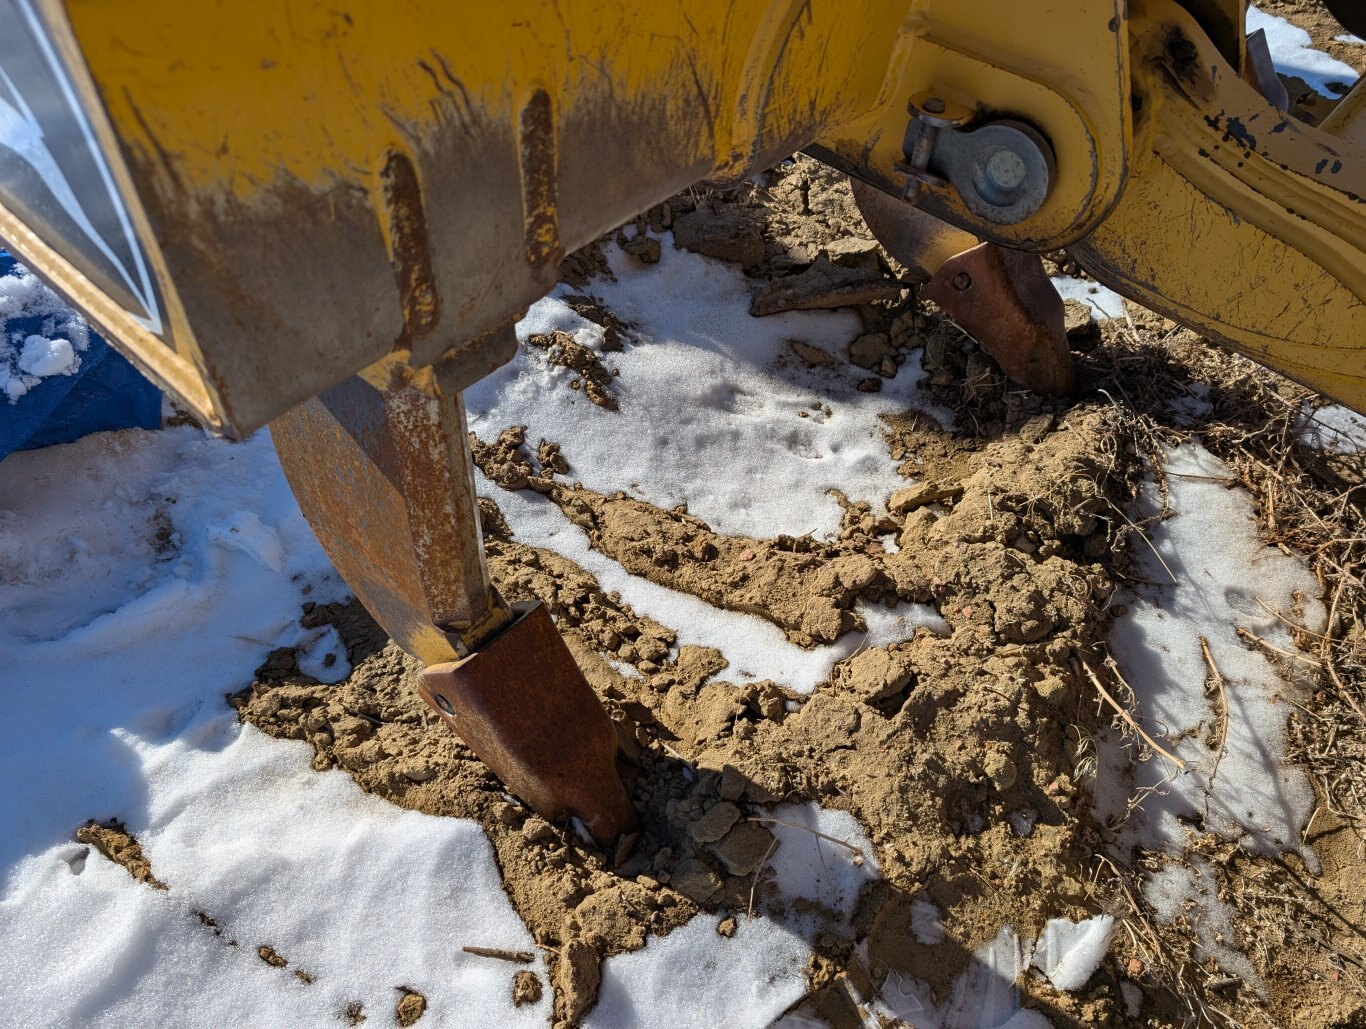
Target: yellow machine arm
315,188
328,216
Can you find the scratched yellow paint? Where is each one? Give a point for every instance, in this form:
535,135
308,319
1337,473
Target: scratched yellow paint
321,92
231,99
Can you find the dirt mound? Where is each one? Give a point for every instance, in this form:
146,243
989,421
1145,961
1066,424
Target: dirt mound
967,756
1003,553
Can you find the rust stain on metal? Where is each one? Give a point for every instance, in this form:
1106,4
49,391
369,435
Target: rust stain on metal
540,215
383,474
410,253
523,706
913,236
1004,300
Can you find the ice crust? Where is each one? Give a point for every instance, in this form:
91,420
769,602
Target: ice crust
1225,578
1068,953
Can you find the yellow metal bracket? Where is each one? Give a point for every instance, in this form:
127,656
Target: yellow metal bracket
1238,220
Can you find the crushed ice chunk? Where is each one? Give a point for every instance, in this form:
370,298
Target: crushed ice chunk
926,922
1069,952
43,357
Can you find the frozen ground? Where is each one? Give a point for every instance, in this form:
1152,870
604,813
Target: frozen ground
144,575
125,561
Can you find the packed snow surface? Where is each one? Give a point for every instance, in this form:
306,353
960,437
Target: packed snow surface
717,412
126,564
1208,696
814,867
694,978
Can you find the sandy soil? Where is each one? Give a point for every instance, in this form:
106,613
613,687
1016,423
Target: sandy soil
1012,531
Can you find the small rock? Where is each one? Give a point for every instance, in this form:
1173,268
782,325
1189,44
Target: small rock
578,975
732,783
921,494
878,673
526,989
417,770
1051,689
726,927
1036,429
644,248
743,849
411,1006
873,385
537,829
813,356
715,823
695,881
1083,331
824,285
722,234
1001,770
853,252
870,350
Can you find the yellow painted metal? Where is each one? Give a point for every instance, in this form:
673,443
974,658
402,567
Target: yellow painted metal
1238,220
1064,72
324,184
1347,120
262,140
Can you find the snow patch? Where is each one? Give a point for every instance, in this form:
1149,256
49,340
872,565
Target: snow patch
1292,54
807,866
716,410
1215,577
694,978
1336,429
755,648
1103,301
984,996
1191,893
142,577
43,357
1068,953
26,358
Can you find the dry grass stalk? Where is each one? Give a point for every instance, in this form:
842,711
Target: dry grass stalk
1218,679
1123,713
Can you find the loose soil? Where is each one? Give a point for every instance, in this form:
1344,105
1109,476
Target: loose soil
1013,528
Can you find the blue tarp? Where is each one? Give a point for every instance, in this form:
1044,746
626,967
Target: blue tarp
105,392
